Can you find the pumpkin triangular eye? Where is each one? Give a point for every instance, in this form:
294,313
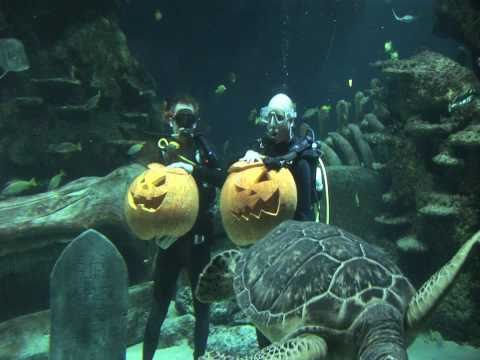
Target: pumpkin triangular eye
264,176
161,180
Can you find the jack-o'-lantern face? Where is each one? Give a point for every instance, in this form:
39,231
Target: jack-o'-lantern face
257,196
254,200
150,190
161,201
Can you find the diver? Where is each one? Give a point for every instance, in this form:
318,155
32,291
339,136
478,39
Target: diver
189,150
279,147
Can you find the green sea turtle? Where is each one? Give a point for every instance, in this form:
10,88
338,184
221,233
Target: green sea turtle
319,292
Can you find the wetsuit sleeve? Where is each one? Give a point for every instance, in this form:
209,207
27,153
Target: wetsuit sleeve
303,180
210,175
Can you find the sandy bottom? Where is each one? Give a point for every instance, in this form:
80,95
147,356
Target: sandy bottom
421,349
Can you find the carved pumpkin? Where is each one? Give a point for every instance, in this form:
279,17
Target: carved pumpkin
161,201
254,200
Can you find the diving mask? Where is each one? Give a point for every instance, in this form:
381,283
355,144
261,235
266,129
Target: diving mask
184,119
275,120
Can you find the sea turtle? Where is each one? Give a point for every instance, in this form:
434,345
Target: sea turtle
319,292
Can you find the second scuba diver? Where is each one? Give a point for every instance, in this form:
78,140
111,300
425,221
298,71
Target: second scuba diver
279,147
190,151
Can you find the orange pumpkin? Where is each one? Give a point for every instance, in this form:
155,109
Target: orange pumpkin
254,200
161,201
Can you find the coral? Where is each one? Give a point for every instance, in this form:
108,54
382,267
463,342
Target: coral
415,86
343,113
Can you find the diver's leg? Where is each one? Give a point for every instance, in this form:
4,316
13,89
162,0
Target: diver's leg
200,256
167,269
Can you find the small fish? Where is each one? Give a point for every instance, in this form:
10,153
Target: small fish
463,99
134,149
232,77
16,187
64,148
157,14
357,200
388,46
350,83
326,108
56,180
407,19
92,103
220,89
394,55
226,146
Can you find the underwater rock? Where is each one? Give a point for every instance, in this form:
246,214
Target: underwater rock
20,152
441,206
58,90
331,156
389,199
468,138
177,329
447,161
425,83
343,113
89,300
458,20
362,146
421,129
27,337
378,138
355,199
371,123
360,102
348,154
238,340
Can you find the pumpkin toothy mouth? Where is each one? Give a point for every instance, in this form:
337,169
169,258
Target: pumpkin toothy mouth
151,201
270,207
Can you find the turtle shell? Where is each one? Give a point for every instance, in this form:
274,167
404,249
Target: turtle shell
310,274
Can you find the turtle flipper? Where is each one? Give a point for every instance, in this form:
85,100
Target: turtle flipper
435,288
307,347
215,283
213,355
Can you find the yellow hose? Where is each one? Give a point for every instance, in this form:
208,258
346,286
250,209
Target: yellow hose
163,144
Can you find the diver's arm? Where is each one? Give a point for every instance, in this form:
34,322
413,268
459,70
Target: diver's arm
209,175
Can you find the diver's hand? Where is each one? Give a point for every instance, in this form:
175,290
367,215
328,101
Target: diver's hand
182,165
252,157
273,163
165,241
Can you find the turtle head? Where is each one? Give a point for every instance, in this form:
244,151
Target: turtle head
379,334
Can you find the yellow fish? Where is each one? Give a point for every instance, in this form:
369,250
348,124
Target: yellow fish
220,89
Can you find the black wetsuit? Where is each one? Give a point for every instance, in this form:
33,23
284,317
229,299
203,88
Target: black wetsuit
301,158
191,251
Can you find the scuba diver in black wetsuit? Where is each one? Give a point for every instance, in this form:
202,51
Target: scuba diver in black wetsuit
187,150
280,148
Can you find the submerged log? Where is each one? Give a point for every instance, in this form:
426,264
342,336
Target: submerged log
88,202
